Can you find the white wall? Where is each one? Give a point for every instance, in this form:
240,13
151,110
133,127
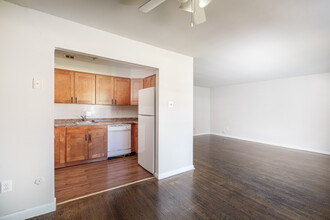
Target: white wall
201,110
292,112
27,41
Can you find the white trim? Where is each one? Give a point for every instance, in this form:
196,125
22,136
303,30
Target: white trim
204,133
174,172
32,212
274,144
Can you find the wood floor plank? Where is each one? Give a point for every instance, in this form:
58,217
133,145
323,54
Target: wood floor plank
80,180
233,179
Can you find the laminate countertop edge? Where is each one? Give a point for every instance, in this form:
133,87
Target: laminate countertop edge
98,122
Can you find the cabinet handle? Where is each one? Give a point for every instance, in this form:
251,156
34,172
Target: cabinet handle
71,99
76,100
90,138
85,137
112,102
115,101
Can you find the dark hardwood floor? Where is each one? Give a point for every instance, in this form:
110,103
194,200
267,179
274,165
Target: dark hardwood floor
233,180
81,180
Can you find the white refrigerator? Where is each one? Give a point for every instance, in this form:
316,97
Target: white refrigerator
146,128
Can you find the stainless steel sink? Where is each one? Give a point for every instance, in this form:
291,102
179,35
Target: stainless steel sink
84,122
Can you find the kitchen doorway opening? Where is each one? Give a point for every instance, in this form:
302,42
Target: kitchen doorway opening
105,118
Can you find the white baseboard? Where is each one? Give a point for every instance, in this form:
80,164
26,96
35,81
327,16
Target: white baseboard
273,144
205,133
174,172
32,212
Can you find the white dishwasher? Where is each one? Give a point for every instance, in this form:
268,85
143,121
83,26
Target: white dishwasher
119,139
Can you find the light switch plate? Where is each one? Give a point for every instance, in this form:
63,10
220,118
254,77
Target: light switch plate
6,186
36,83
170,104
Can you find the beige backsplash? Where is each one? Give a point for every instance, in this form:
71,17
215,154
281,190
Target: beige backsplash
72,111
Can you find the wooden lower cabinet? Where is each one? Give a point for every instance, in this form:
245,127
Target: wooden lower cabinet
134,138
83,144
76,144
97,142
59,146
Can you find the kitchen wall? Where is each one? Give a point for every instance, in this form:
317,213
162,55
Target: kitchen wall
98,66
101,66
27,41
74,111
291,112
201,110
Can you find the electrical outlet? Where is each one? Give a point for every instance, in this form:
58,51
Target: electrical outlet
88,114
6,186
39,180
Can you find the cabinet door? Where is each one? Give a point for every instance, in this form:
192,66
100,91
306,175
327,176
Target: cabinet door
104,90
84,88
76,144
134,138
122,91
146,82
153,81
59,146
136,85
97,138
64,86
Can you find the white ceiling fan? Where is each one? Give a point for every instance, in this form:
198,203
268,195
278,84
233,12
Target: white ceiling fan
195,7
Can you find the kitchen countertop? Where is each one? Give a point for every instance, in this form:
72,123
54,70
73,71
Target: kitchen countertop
98,121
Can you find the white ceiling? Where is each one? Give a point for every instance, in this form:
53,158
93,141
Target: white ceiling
242,40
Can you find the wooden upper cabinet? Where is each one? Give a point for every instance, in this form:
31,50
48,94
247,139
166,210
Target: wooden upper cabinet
59,146
150,81
153,81
136,85
97,142
104,90
146,82
64,86
76,144
84,88
87,88
122,90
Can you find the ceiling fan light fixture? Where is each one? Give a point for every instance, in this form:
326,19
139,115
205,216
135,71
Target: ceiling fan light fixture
204,3
186,6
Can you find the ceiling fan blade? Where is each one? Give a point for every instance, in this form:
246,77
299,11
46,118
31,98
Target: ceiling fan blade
199,14
149,5
132,2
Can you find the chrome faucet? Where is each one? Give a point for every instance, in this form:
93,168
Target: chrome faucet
84,118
